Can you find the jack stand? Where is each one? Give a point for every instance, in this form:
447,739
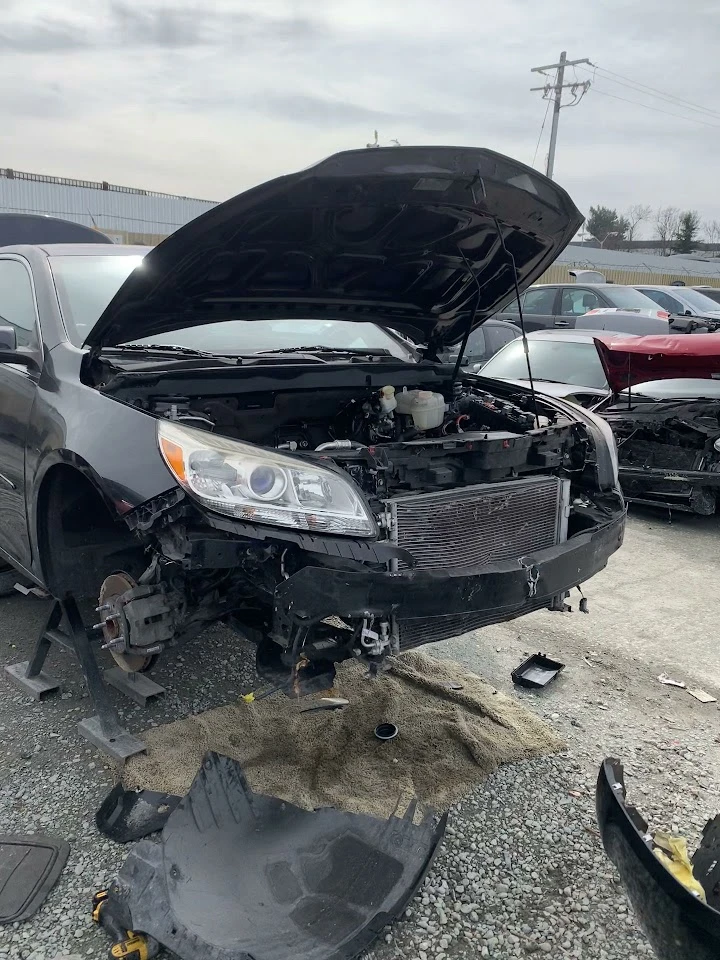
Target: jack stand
136,686
103,730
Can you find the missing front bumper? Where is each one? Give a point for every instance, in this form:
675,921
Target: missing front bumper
677,923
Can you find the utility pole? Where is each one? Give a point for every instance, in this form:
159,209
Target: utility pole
557,89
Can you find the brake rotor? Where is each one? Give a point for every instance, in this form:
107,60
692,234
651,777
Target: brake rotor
113,586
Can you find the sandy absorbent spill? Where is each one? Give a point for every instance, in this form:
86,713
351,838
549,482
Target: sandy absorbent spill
449,740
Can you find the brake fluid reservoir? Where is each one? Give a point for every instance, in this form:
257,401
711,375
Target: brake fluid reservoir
427,409
387,399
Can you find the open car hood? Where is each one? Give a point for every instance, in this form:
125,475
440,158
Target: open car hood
629,362
410,238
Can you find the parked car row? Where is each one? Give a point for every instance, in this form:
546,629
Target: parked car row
557,305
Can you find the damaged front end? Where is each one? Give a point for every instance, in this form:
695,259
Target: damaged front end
386,536
676,899
669,452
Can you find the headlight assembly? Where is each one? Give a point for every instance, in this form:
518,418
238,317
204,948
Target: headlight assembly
261,486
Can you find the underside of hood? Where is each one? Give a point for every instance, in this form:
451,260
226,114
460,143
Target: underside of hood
411,238
628,362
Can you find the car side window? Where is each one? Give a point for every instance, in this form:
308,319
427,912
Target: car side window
665,301
17,302
497,337
577,300
476,344
540,301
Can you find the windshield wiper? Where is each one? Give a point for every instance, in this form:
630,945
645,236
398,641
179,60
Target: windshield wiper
344,351
173,348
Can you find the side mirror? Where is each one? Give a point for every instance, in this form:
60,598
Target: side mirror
688,313
8,340
9,352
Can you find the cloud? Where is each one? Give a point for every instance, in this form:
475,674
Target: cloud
121,24
40,36
206,100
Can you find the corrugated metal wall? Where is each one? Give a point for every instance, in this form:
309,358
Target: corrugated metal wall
127,214
558,273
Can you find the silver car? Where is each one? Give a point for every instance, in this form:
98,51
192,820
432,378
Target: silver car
681,301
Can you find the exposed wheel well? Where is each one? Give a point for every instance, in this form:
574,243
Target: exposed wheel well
79,540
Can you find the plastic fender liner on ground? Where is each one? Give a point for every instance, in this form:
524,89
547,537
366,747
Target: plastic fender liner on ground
129,815
240,876
29,869
677,923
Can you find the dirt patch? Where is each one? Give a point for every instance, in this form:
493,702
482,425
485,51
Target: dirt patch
449,741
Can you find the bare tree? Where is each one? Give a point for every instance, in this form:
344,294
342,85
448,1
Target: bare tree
667,220
638,213
711,232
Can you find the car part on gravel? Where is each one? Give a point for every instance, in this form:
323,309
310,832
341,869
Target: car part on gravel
29,869
386,731
537,671
129,815
240,876
676,921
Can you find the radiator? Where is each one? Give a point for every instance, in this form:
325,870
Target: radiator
474,525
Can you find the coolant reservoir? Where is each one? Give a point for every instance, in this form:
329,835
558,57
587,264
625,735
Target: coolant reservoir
427,409
404,400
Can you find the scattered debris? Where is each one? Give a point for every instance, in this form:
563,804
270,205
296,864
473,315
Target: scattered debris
128,815
386,731
346,875
674,896
669,682
537,671
30,866
327,703
702,696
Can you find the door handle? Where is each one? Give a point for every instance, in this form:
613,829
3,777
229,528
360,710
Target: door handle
562,323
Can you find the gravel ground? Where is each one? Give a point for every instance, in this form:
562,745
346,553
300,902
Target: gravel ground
522,871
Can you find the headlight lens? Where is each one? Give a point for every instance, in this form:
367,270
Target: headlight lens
717,445
261,486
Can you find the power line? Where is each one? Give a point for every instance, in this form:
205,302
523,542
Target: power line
537,145
637,103
657,94
636,84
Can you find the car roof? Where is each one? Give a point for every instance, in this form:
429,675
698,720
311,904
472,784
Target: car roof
579,336
571,283
661,286
79,249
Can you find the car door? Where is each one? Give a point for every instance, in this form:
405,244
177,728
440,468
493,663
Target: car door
18,385
575,301
538,306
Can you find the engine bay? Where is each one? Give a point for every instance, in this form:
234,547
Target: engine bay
392,439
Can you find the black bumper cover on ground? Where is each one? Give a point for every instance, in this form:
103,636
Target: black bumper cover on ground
677,924
240,876
510,588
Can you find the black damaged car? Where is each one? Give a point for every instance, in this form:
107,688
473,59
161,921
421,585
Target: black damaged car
251,423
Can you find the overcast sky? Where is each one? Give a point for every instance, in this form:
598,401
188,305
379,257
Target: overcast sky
205,99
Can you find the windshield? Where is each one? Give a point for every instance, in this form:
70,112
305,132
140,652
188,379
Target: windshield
86,285
560,361
628,298
697,299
